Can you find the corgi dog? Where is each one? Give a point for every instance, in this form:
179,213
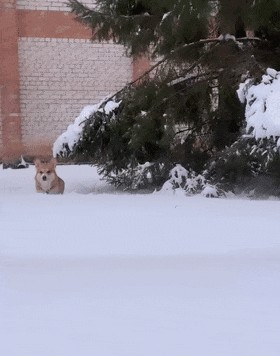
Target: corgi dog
47,181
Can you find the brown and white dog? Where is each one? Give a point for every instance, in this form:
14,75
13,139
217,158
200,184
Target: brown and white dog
47,181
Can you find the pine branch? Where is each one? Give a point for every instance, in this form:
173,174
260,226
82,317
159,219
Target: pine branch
204,76
164,60
248,39
84,13
216,41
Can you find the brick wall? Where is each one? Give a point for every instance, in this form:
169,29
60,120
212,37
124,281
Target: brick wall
49,71
1,138
9,81
7,4
58,77
50,5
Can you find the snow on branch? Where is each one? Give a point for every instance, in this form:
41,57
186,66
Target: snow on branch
66,142
262,110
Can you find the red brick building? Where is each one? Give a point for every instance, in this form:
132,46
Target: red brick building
49,70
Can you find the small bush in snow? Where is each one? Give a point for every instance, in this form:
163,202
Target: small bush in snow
212,191
186,179
190,182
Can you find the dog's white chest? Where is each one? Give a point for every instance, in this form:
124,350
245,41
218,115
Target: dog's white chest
46,184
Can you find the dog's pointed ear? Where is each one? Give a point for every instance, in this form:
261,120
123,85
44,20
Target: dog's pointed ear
53,162
37,162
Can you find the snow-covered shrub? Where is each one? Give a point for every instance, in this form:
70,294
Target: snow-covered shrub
211,191
240,166
186,179
252,163
190,182
262,111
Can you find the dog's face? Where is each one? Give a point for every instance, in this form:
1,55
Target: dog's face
45,171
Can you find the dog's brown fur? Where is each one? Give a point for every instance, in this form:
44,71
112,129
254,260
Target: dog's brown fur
47,181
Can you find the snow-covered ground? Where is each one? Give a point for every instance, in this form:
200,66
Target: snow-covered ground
103,273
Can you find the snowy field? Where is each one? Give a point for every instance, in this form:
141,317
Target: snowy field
96,272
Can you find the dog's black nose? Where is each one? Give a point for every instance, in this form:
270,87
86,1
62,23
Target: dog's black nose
44,178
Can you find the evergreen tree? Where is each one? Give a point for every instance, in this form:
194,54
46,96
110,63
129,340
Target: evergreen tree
187,110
